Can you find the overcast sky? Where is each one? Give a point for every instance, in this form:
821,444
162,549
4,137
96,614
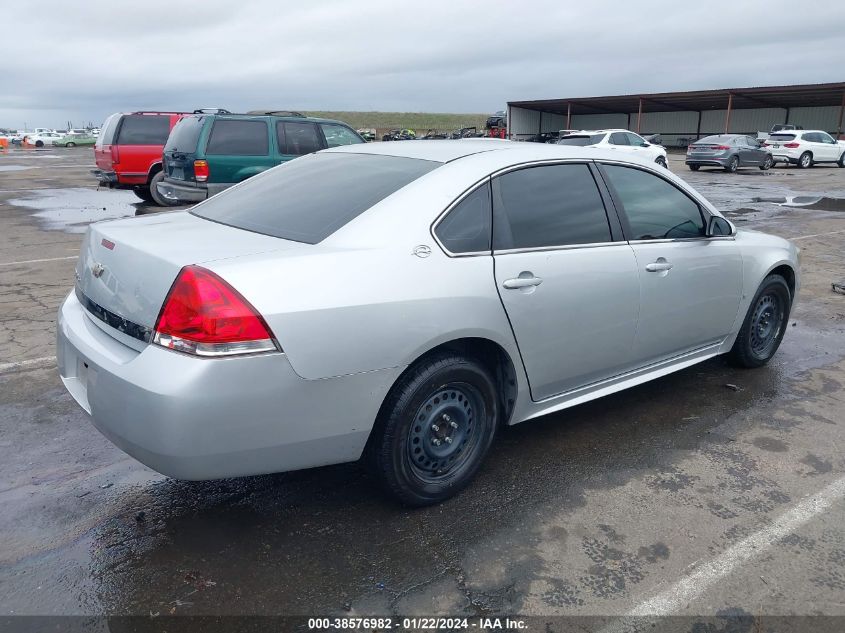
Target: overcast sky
81,60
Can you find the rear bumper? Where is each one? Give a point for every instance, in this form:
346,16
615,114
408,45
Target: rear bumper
193,418
176,191
108,178
713,161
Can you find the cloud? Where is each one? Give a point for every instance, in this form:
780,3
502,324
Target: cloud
83,60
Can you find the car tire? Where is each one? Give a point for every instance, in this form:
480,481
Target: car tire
767,164
760,335
805,160
694,167
661,161
70,144
157,198
39,143
733,165
841,161
143,193
444,396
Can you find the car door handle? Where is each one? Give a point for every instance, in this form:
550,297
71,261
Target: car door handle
521,282
659,266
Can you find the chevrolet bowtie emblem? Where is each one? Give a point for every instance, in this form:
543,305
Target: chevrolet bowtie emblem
97,269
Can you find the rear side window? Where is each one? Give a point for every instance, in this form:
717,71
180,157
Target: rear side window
554,205
466,229
655,208
337,135
106,136
144,129
185,135
238,137
297,138
781,137
308,199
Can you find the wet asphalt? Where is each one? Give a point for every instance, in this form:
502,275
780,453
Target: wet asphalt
589,512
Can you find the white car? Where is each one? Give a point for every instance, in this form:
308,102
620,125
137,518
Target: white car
620,140
43,139
805,148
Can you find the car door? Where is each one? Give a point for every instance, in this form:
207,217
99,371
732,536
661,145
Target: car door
237,149
756,153
567,280
620,141
690,285
829,146
297,138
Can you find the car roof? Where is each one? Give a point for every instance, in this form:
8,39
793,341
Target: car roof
507,152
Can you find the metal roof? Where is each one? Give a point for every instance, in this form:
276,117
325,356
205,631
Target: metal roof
800,95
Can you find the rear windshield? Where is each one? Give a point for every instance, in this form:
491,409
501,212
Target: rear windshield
581,140
144,129
719,139
185,134
781,137
106,136
309,198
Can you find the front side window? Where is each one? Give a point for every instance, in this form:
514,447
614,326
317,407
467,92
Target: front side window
337,135
144,129
466,229
655,208
826,138
298,138
635,140
550,205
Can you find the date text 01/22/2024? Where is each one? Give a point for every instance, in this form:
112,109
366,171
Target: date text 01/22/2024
417,623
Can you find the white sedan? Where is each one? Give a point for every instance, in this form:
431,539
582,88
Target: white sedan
619,140
43,139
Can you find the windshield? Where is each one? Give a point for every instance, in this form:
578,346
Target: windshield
582,140
309,198
184,135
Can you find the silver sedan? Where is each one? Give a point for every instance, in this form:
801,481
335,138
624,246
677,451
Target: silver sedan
399,302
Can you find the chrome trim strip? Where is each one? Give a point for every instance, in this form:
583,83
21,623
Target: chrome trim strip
566,247
136,331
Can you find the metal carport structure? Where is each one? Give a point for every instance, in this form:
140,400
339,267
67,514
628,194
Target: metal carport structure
683,116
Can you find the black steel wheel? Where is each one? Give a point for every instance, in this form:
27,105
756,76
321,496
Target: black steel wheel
764,325
434,429
733,165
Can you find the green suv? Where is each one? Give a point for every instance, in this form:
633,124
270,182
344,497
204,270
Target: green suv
208,152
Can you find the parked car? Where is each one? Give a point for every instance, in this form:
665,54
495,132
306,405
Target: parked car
623,141
368,134
728,151
362,302
40,139
805,148
72,140
128,152
207,153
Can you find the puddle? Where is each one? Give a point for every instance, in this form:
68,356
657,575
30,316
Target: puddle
822,203
72,210
16,167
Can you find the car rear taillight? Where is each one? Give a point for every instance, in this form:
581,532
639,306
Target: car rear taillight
792,145
201,170
204,316
115,154
720,147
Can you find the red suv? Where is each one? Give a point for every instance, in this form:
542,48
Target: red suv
128,152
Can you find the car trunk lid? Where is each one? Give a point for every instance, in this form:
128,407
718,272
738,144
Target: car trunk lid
126,267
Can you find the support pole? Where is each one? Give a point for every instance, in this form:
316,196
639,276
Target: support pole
568,115
698,127
639,115
841,112
728,113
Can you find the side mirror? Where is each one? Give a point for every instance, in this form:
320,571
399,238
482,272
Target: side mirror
718,226
645,144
